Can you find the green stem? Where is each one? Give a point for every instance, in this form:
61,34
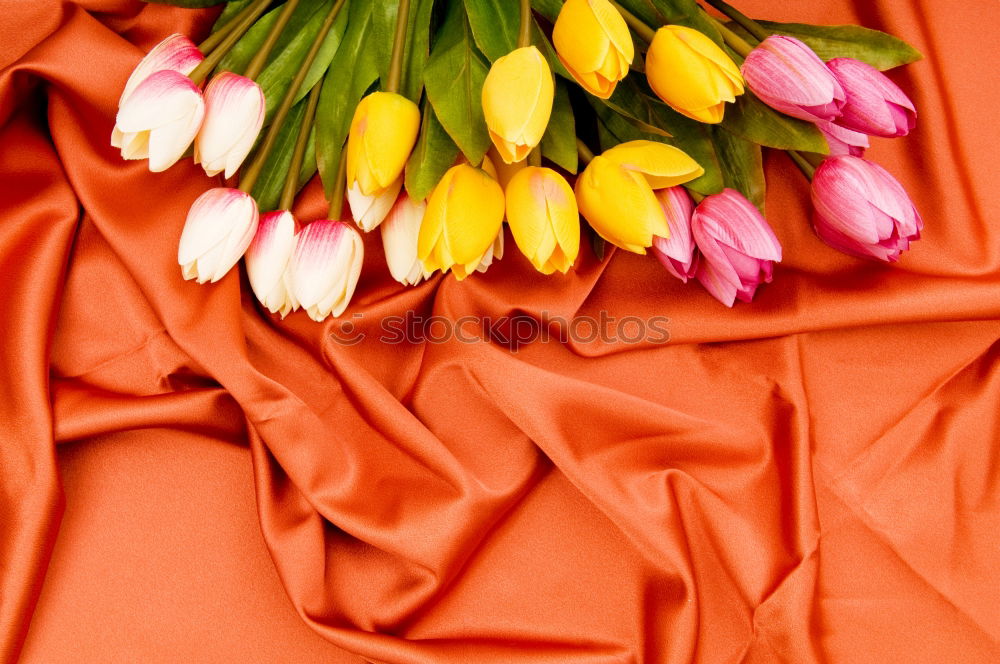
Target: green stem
735,42
298,155
206,66
698,197
645,32
535,157
585,154
744,21
216,37
804,166
253,172
398,47
339,185
256,65
524,34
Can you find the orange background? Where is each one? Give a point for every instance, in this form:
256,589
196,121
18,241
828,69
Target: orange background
810,478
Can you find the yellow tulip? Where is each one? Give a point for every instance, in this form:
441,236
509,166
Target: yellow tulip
543,218
662,165
689,71
383,133
620,205
594,44
463,218
517,102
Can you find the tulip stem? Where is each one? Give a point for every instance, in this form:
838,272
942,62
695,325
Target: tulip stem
256,65
205,67
696,196
254,170
395,76
535,157
216,37
804,166
585,154
747,23
733,40
298,155
339,185
645,32
524,35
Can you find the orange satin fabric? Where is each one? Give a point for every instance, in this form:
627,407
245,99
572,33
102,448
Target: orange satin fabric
810,478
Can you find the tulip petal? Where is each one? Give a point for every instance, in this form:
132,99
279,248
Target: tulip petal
219,228
662,165
325,267
176,53
620,205
735,222
161,99
234,114
517,102
370,211
400,231
270,251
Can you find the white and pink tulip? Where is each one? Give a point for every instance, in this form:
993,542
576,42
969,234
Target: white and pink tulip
860,209
789,77
175,53
399,240
233,117
219,228
738,248
874,105
677,253
325,268
159,119
268,258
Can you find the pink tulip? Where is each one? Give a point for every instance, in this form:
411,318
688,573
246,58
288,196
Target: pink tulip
677,253
738,248
218,230
862,210
233,117
325,267
789,77
842,140
399,239
875,105
267,259
175,53
159,119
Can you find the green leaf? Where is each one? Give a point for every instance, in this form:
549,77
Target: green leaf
189,4
351,72
232,9
629,101
454,78
433,154
277,76
742,166
495,24
686,12
753,120
416,49
878,49
249,44
559,141
548,8
267,189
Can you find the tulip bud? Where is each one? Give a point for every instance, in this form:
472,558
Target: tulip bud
464,215
267,261
517,102
662,165
875,105
325,268
676,253
620,205
399,239
594,44
841,140
383,133
738,248
544,219
789,77
218,230
234,114
175,53
862,210
691,74
159,119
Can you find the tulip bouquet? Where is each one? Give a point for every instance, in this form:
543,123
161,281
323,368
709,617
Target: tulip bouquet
440,120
